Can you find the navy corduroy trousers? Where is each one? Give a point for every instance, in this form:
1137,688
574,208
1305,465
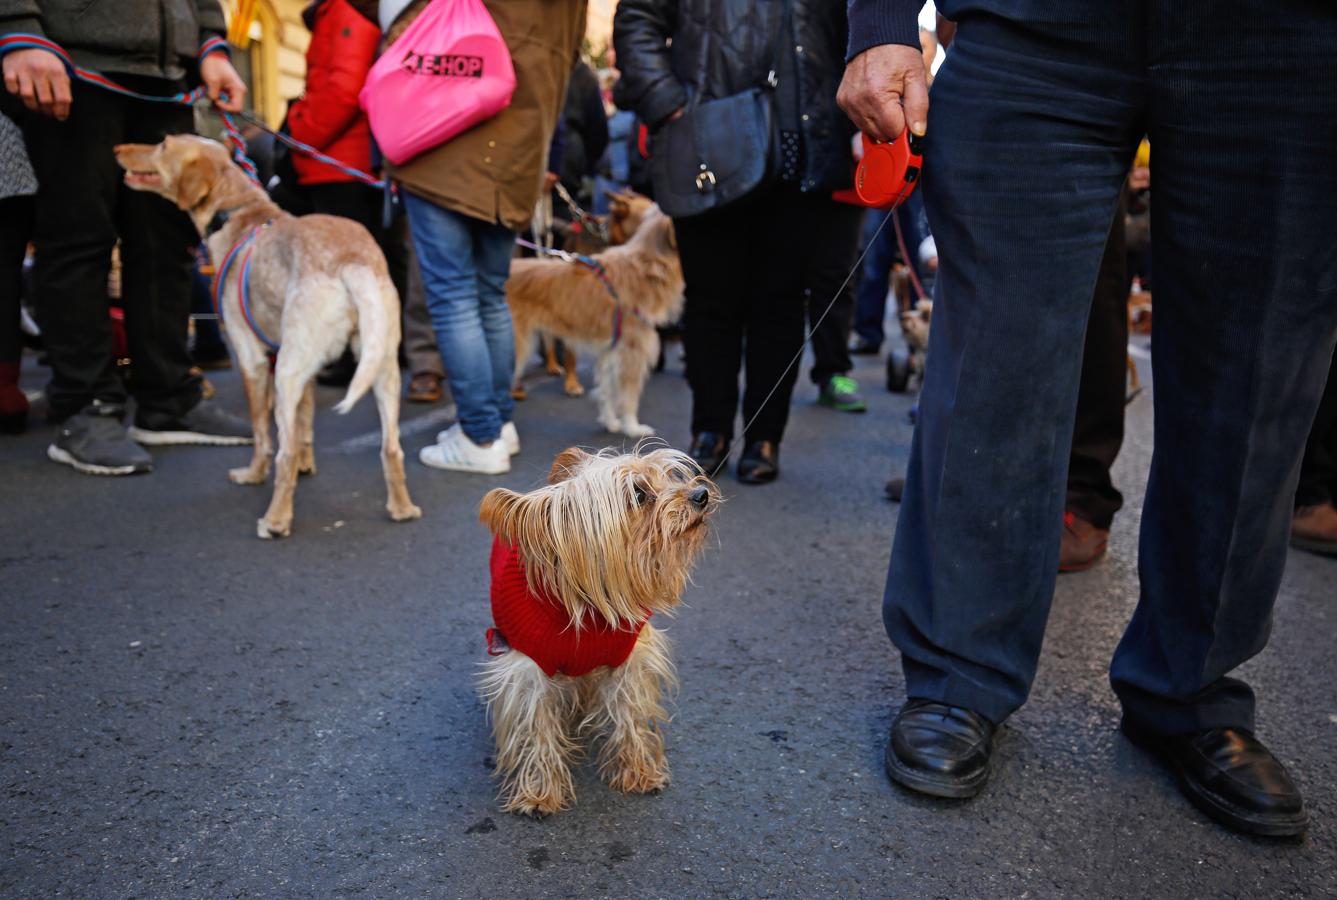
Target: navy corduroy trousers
1031,133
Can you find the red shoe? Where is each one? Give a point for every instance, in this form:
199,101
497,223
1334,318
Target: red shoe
13,403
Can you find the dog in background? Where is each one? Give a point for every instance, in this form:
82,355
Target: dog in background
578,568
612,314
315,284
625,211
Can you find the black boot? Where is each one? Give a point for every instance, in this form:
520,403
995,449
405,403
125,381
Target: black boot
1228,774
709,449
941,750
760,462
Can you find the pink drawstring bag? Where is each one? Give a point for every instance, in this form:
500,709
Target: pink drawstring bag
448,71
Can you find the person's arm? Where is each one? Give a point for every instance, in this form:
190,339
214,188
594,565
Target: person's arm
885,83
37,77
330,103
216,72
648,87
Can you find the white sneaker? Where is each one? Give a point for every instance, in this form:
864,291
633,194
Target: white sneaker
457,453
509,436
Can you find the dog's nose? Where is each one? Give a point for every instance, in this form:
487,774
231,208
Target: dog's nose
699,496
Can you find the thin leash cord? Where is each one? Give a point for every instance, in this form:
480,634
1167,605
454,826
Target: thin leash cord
858,264
905,257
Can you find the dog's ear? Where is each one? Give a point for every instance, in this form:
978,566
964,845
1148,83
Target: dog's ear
194,181
499,511
566,463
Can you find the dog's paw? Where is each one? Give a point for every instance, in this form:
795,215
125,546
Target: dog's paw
646,778
246,475
519,393
637,429
266,530
404,513
306,462
553,369
575,389
536,806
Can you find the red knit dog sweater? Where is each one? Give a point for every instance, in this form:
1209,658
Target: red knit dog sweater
540,627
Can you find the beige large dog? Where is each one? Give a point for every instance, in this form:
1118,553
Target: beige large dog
315,284
612,313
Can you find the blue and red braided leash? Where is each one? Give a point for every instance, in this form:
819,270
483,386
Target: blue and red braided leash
236,142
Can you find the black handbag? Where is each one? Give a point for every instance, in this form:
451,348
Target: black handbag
718,150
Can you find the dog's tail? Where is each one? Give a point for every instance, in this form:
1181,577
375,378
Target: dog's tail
377,330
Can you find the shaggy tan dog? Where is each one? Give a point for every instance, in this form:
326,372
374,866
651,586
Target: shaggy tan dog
578,568
612,315
315,284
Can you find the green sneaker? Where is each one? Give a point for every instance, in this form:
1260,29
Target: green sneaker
842,392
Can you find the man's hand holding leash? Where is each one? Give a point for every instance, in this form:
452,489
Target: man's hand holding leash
885,87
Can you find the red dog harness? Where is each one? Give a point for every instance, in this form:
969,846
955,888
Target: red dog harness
540,627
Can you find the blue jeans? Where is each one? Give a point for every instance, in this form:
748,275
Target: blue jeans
464,264
883,251
1032,132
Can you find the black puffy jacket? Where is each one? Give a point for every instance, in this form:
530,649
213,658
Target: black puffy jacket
725,47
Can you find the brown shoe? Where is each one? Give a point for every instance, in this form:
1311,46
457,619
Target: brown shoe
1082,545
424,387
1314,528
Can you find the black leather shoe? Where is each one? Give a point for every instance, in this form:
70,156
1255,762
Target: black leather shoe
1228,774
760,462
941,750
709,449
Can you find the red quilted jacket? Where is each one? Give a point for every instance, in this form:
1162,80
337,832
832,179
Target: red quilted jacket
540,627
343,47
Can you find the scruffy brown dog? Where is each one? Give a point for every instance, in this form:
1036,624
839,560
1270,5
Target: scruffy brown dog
611,311
625,211
313,284
578,567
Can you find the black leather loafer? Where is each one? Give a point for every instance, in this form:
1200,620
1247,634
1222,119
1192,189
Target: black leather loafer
1228,774
708,449
940,750
760,462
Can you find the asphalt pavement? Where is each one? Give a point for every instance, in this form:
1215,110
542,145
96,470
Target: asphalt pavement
187,711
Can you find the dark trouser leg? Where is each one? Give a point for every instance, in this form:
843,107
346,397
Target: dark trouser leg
1318,470
828,277
208,336
790,241
16,220
871,298
79,183
975,556
1102,393
1246,322
716,299
157,257
350,199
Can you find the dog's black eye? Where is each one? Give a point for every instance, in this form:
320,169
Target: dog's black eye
640,494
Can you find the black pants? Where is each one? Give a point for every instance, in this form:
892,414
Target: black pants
1318,469
750,269
15,230
1101,395
831,335
350,199
1246,323
82,207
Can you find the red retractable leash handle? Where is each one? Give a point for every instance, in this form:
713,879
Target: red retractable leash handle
888,172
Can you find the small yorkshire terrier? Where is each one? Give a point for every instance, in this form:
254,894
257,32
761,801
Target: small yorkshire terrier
578,567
